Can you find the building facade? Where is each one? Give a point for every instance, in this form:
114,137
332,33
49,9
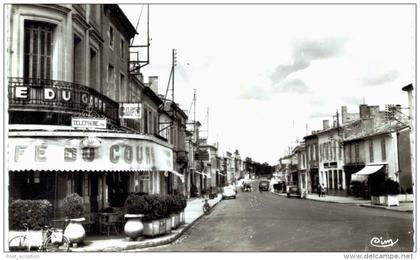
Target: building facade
68,74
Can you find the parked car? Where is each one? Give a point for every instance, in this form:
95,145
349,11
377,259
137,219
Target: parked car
293,190
228,192
264,185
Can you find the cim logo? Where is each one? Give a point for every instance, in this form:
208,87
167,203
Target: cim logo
380,242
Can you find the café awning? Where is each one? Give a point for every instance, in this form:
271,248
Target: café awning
87,153
363,174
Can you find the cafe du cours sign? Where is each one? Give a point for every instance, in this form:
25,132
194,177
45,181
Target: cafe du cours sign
88,123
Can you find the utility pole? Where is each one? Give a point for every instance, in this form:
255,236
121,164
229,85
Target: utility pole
409,89
173,74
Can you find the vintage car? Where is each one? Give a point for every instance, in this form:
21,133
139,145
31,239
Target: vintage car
264,185
228,192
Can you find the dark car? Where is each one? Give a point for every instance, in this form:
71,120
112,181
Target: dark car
264,185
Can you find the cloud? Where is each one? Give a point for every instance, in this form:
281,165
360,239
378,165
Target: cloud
305,51
255,92
291,86
380,78
319,114
352,100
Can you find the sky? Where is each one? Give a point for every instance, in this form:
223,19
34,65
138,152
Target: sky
269,74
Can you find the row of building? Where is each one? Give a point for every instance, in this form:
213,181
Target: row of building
354,153
82,118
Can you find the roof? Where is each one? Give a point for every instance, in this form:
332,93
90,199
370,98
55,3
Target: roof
121,19
381,129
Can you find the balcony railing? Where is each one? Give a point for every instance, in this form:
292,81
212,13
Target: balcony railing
33,94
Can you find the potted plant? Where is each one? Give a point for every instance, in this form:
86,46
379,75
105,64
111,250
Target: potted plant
173,208
182,204
157,219
73,210
136,206
33,214
378,193
392,191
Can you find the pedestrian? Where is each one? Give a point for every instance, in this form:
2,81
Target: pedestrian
319,190
323,190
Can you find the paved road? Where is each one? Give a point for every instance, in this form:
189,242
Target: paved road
268,222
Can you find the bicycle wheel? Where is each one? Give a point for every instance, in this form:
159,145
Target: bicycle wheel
49,246
206,209
18,244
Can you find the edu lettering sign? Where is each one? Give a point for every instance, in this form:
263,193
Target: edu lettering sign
64,97
69,154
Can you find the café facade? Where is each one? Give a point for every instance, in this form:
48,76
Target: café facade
101,166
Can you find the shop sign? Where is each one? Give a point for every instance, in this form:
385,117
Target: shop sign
43,153
88,123
130,110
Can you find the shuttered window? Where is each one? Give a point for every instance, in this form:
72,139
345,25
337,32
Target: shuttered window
38,50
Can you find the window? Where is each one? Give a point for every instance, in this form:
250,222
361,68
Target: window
111,37
122,87
37,50
350,153
340,145
93,69
111,80
145,121
356,152
383,149
122,48
371,158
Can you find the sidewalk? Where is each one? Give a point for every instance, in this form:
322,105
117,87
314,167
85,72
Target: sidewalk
403,207
116,243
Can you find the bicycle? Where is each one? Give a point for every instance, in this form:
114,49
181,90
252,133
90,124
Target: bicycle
55,241
206,206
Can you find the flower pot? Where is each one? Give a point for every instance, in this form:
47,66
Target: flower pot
175,220
133,228
182,217
392,200
157,227
377,200
75,230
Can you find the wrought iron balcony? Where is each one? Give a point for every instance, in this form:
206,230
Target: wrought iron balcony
33,94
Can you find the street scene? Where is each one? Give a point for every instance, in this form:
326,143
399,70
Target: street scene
136,128
265,222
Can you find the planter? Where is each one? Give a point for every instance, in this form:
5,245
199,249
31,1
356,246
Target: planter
405,197
182,217
133,228
392,200
377,200
75,230
157,227
175,220
36,237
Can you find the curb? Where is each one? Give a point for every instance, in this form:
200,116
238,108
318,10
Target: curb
376,207
353,203
165,241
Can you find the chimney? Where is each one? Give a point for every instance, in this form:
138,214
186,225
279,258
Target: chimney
364,111
325,124
343,114
153,83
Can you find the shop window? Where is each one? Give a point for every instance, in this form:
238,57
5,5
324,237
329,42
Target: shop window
38,41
